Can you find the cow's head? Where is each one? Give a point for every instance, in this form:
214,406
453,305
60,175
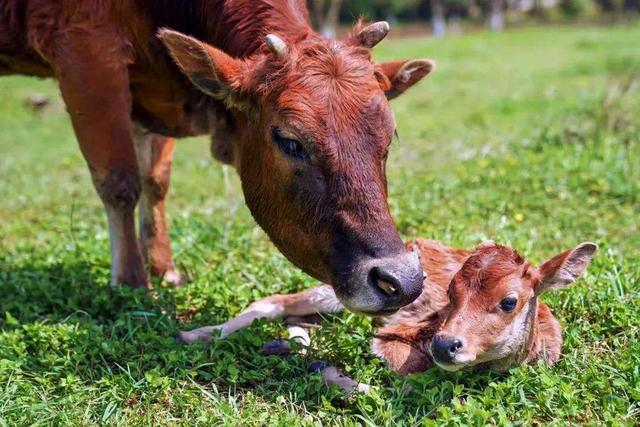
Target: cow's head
493,301
310,137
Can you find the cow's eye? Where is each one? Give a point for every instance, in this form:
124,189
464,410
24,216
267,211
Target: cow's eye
508,304
289,146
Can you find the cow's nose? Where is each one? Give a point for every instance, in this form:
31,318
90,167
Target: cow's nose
398,280
444,349
380,286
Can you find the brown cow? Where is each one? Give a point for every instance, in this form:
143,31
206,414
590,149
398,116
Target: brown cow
478,308
304,120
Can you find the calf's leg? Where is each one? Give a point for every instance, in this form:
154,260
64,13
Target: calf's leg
154,154
320,299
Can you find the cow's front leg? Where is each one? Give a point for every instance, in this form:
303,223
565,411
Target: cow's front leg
119,190
154,154
95,88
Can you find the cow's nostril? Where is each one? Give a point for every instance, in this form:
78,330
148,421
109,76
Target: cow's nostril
385,282
387,287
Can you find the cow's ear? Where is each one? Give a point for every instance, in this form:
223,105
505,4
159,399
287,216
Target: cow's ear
400,345
401,75
565,268
211,70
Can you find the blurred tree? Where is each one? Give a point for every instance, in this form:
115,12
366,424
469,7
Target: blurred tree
406,9
632,6
538,10
493,11
610,6
395,7
445,15
573,8
438,20
382,9
495,16
325,14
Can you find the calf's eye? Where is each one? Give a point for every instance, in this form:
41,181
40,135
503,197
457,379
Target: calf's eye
508,304
289,146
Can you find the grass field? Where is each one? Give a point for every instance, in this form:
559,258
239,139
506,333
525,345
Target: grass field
528,137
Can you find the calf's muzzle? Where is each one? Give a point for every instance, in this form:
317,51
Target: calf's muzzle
444,349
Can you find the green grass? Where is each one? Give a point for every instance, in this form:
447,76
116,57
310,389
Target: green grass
527,137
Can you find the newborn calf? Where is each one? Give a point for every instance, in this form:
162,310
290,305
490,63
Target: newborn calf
477,308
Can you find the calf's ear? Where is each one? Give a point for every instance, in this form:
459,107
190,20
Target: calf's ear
565,268
209,69
401,75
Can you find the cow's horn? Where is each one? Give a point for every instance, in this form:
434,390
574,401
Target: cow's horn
276,45
372,34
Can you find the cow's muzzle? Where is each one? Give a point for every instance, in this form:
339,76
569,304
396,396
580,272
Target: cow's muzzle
380,286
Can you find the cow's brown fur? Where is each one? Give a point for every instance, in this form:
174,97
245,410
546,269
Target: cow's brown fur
328,215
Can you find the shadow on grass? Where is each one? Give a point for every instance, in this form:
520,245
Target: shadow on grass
65,320
37,289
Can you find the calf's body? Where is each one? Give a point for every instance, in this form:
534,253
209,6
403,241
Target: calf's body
482,305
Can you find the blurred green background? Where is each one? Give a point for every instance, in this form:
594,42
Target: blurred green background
442,17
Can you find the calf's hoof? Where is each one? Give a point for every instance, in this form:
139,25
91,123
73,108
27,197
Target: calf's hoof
189,337
178,340
184,338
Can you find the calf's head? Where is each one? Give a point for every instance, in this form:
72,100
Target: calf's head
311,132
493,301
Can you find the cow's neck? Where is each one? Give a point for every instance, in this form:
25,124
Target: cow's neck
237,27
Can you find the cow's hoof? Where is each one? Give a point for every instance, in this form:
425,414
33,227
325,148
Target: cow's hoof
174,278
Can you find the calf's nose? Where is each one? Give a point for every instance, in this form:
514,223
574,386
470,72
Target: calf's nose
444,349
